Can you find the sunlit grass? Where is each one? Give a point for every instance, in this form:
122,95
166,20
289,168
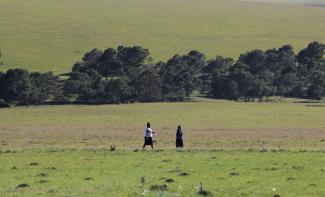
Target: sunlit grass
232,148
104,173
51,35
207,124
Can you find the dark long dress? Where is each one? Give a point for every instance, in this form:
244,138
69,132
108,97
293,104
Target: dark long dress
179,138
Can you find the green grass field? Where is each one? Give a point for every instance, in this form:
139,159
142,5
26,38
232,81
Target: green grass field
105,173
232,148
47,35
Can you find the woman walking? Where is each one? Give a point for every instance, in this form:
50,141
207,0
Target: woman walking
148,133
179,137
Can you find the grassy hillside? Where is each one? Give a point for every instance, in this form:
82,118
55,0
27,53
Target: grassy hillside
50,35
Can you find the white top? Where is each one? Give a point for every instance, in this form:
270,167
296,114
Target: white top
148,132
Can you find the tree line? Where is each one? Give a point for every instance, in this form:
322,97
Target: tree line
128,74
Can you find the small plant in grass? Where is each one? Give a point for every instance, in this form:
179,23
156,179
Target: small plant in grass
113,148
143,182
203,192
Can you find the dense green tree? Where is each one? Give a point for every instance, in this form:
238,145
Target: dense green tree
256,60
195,61
16,86
148,86
92,56
85,87
133,60
257,89
218,87
214,77
283,65
314,52
233,90
132,56
182,73
240,73
44,86
3,104
90,61
76,83
316,90
117,91
109,65
1,85
218,66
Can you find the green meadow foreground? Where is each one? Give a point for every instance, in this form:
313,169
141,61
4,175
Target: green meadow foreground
232,148
105,173
47,35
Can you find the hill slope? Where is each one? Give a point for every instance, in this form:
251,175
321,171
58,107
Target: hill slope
51,35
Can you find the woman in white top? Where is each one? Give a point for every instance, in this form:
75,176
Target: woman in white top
148,133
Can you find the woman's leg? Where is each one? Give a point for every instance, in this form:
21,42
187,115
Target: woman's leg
144,144
151,142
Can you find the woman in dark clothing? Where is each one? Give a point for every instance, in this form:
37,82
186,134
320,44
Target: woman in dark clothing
179,137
